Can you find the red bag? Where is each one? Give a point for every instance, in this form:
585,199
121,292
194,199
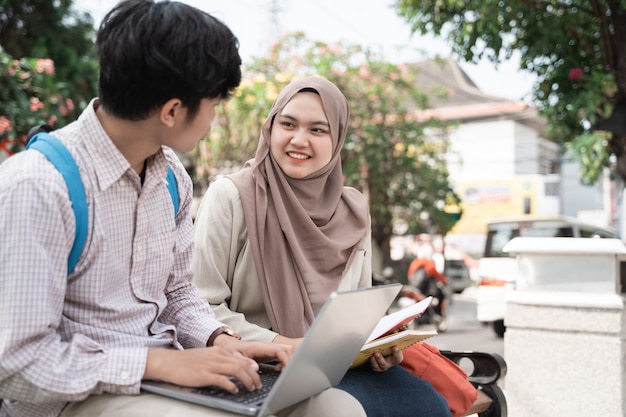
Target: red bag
448,379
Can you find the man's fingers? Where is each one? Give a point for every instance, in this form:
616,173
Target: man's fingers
248,375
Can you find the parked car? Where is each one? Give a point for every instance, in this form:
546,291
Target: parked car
458,275
497,268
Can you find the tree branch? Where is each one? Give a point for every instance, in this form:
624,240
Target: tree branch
599,12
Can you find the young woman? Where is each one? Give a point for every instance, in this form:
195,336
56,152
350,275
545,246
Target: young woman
275,239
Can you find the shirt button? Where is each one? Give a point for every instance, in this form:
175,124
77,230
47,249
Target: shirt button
124,375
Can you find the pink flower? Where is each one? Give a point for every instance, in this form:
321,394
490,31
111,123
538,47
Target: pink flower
575,75
5,125
52,120
364,71
35,104
45,65
12,69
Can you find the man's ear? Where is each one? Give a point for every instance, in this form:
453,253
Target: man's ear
171,112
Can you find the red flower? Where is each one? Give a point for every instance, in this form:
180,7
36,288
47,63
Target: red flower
575,75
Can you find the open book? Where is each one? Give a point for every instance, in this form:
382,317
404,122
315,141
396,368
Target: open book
386,335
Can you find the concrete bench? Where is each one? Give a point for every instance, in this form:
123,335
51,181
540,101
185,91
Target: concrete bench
484,371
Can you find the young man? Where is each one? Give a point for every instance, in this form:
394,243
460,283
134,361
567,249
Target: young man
79,344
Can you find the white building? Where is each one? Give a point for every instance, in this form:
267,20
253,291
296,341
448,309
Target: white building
500,160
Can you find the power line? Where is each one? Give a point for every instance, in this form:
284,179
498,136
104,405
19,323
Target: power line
343,22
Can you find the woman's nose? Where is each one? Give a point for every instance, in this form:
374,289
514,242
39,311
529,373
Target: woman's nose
300,138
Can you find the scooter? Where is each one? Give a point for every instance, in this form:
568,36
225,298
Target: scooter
420,288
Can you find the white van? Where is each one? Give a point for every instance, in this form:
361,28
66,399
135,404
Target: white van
497,268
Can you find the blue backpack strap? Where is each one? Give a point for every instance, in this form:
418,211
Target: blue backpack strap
172,187
62,159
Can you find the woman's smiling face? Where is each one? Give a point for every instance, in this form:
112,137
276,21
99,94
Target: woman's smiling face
300,140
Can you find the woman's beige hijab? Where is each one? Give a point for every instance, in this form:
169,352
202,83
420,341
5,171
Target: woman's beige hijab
304,232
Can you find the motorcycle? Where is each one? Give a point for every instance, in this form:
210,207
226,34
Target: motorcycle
421,285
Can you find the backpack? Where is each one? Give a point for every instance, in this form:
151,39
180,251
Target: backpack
62,159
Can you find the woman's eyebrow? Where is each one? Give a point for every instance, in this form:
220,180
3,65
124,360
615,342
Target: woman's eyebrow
317,122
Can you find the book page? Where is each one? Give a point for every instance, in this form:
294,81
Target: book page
394,321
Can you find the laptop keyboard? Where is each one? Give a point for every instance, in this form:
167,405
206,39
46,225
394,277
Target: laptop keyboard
268,378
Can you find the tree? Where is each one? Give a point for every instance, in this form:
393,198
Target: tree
577,49
395,160
47,29
29,96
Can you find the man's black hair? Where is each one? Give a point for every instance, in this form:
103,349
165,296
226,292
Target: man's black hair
151,52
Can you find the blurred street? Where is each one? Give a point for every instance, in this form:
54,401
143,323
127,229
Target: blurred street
465,333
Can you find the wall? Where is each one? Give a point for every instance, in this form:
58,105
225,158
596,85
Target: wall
505,168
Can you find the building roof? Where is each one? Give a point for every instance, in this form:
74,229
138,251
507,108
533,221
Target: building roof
453,96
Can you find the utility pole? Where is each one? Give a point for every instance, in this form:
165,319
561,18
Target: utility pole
274,27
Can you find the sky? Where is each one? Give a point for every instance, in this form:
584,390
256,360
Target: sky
372,24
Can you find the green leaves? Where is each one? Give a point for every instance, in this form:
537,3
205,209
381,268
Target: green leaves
554,38
53,29
30,95
592,151
48,71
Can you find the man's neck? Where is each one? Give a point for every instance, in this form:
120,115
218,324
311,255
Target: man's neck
134,139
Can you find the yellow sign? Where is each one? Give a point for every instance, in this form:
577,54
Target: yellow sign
485,199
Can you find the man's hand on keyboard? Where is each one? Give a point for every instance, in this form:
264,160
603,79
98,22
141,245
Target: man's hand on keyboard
215,365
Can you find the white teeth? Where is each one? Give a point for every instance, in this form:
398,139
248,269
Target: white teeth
297,155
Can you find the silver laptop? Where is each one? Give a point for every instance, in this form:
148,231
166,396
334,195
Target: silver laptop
332,342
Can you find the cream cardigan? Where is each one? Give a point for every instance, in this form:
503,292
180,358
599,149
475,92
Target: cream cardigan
224,269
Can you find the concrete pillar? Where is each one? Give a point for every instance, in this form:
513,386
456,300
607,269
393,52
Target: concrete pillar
566,329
